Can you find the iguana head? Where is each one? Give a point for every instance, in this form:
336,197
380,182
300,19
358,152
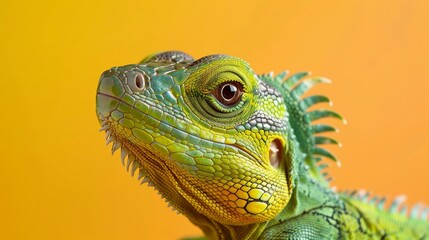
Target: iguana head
208,134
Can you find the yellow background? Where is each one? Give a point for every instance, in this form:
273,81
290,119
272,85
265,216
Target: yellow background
59,181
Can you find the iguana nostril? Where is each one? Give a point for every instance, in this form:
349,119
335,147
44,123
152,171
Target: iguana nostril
137,83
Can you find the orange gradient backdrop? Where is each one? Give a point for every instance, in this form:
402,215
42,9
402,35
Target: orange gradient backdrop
58,179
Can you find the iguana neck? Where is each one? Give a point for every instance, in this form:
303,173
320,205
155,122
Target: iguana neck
211,228
218,231
307,194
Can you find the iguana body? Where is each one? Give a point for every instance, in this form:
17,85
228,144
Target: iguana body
237,153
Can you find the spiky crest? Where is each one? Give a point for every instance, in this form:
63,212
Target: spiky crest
308,136
397,205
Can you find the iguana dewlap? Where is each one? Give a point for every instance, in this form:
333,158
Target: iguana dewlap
238,153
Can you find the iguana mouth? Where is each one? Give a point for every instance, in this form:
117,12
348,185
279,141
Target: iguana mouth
106,125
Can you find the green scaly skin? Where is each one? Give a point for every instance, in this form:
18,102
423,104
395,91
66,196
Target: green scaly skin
238,153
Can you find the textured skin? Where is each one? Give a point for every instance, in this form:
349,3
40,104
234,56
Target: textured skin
246,170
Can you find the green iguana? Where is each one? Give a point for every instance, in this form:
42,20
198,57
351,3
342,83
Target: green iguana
237,153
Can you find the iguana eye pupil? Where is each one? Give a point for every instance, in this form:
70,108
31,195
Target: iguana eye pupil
229,93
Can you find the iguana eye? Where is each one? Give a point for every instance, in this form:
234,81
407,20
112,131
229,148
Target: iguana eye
229,93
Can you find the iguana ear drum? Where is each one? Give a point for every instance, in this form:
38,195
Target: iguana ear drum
276,152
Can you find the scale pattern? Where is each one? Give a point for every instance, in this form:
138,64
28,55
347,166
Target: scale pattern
235,152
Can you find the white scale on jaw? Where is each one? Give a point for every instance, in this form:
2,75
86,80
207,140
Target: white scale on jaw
132,160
